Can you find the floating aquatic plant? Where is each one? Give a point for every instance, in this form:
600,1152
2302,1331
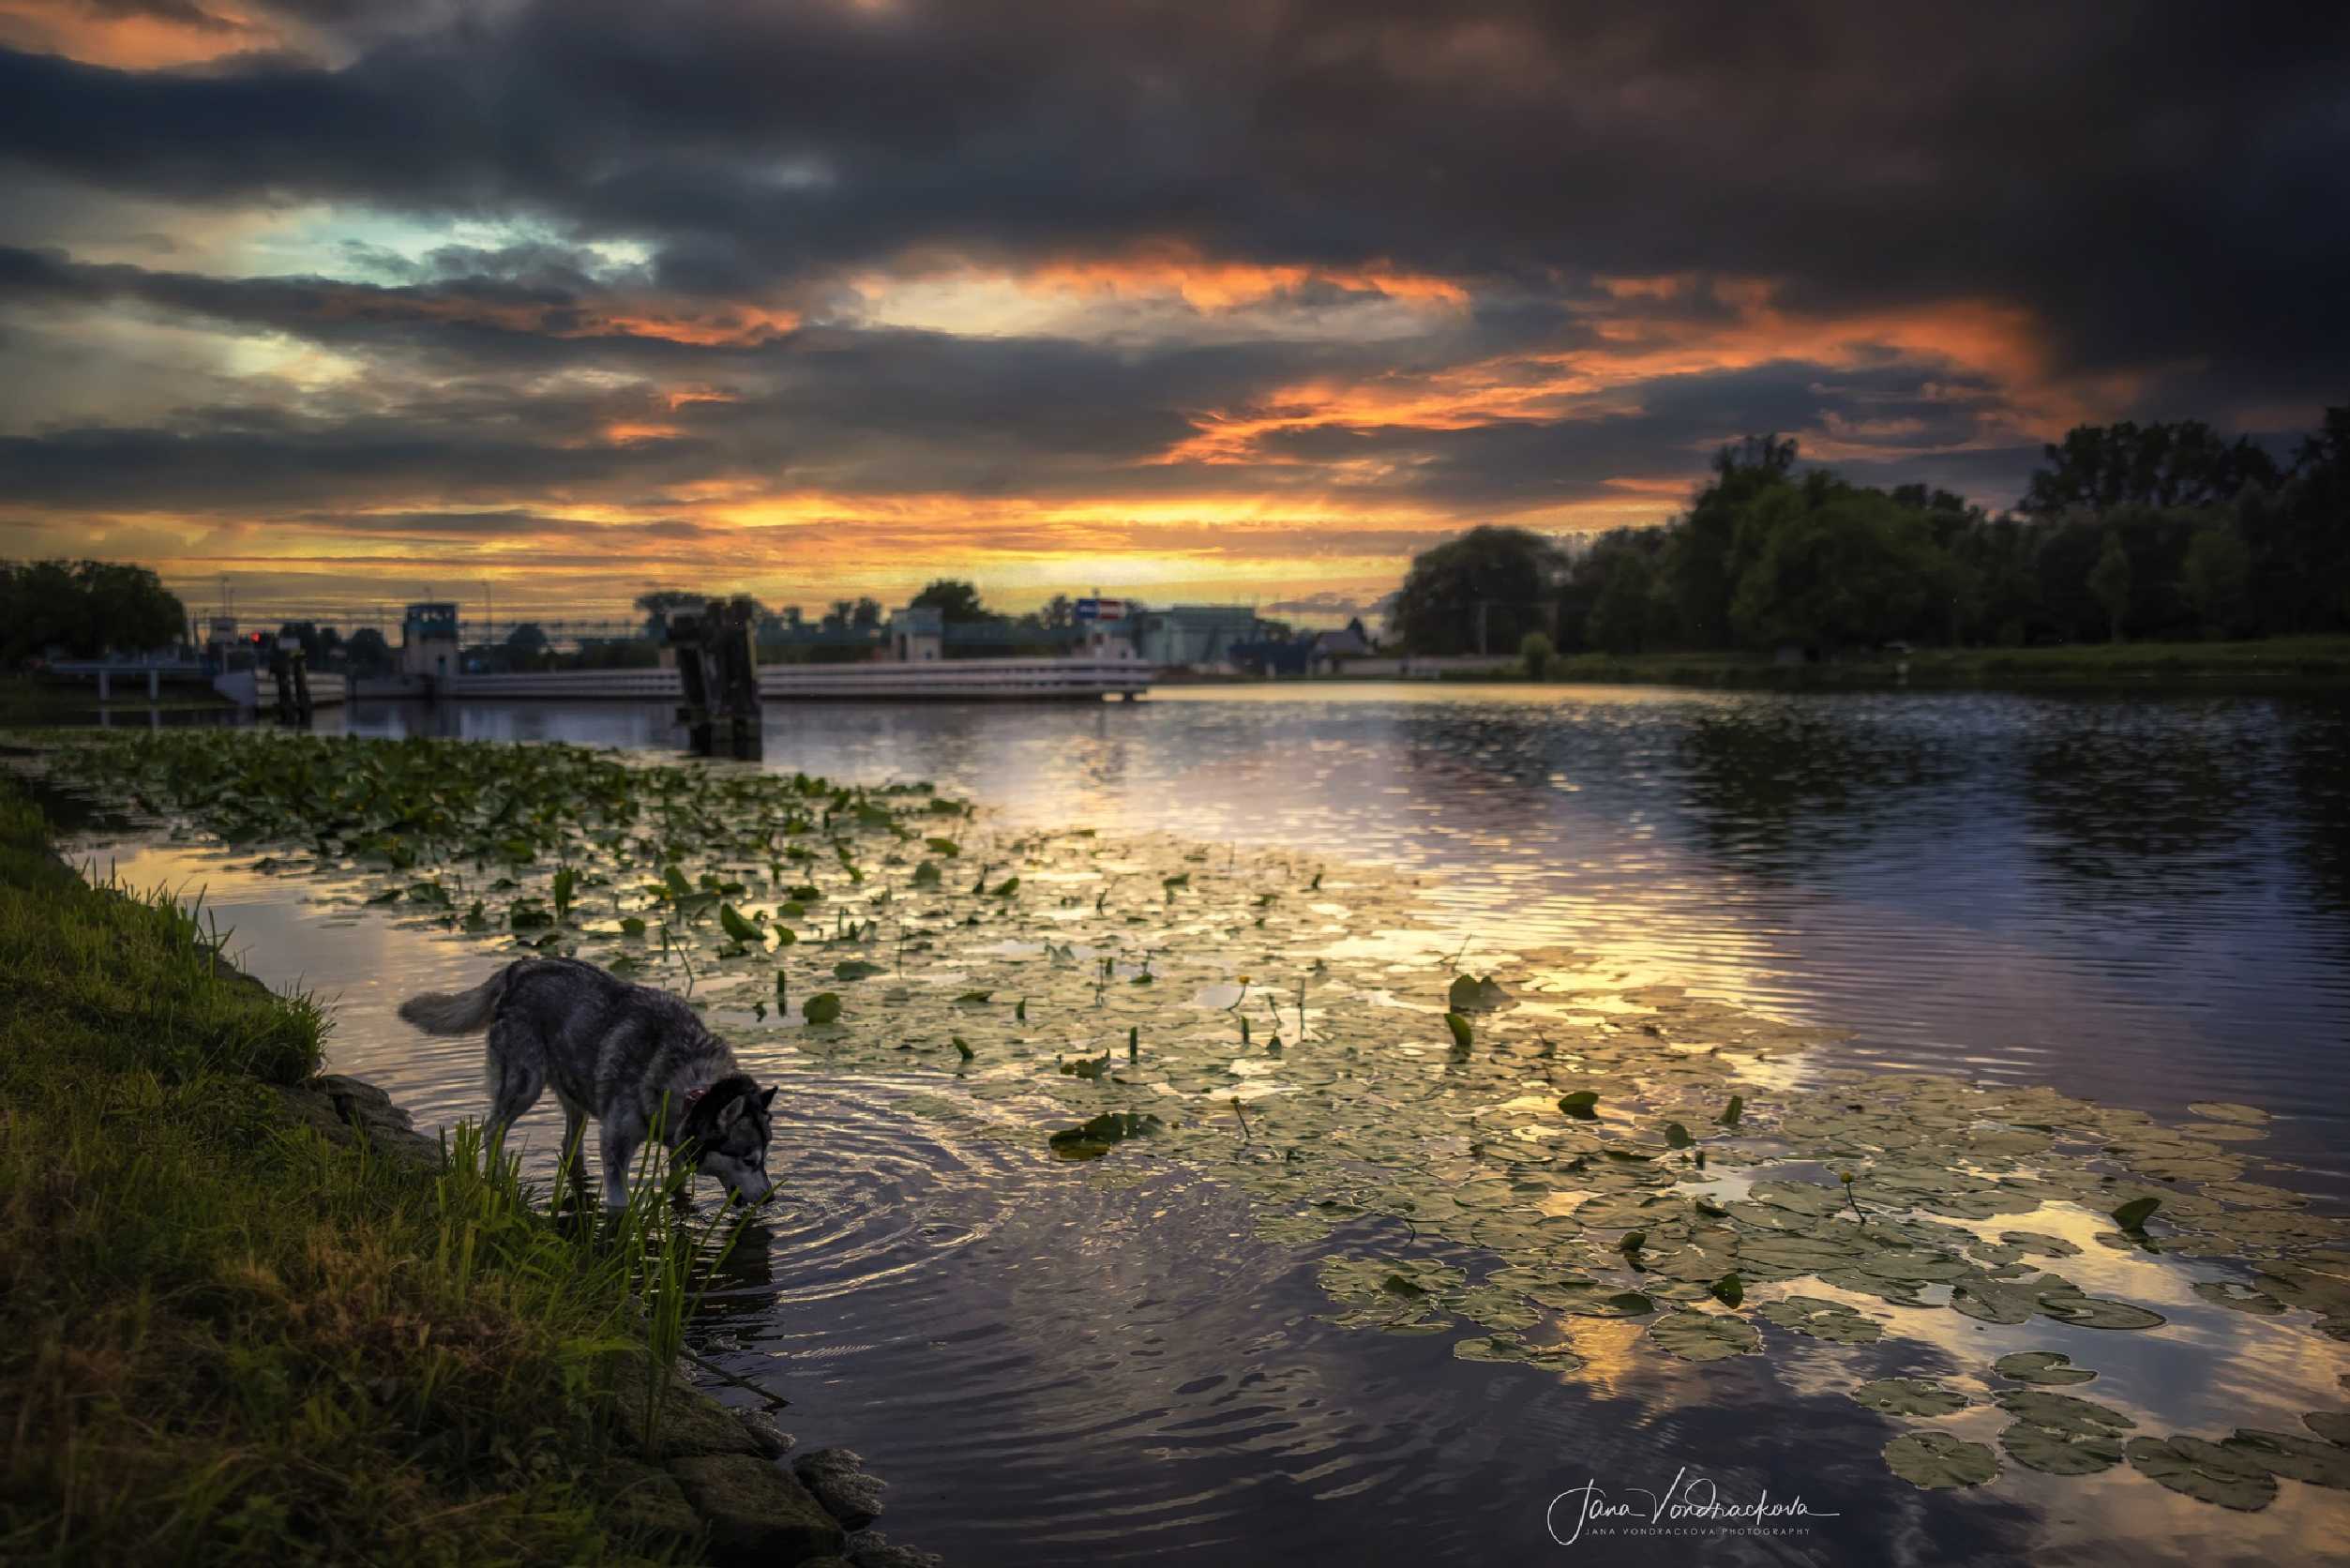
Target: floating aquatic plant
1830,1209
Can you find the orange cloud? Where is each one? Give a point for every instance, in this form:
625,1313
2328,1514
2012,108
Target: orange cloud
728,324
1998,343
132,41
1178,268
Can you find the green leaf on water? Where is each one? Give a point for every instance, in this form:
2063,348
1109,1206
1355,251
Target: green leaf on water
1461,1033
2204,1471
2243,1297
2096,1312
962,1048
1509,1348
2292,1456
823,1007
1705,1335
1936,1460
1909,1396
1730,1289
1822,1319
2133,1215
1475,994
630,926
1676,1135
741,930
975,996
1730,1113
947,847
674,880
928,874
1580,1104
855,969
2054,1451
1096,1137
2050,1368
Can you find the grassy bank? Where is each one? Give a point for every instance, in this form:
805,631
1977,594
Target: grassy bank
2285,662
225,1336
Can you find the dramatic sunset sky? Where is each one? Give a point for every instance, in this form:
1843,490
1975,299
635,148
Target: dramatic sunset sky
1224,300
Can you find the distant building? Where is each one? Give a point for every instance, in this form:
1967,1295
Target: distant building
220,639
1345,643
1194,634
917,635
427,640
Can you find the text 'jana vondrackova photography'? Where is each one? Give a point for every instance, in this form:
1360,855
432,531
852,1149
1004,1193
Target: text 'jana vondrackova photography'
1030,784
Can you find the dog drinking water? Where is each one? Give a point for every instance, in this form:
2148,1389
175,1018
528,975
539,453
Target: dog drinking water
632,1058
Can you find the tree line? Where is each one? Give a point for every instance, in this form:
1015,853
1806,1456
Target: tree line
83,608
2159,531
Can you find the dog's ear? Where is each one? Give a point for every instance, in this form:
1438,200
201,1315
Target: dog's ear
768,1097
729,1113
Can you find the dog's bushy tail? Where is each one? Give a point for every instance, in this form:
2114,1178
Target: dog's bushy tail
455,1012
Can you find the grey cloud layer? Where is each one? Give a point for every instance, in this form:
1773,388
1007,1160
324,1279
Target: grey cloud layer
2157,184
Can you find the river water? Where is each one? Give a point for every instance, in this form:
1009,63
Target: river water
2141,902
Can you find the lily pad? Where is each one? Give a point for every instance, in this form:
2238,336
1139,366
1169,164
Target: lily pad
2223,1111
1705,1335
1909,1396
821,1008
1096,1137
1822,1319
2096,1312
2290,1454
1510,1347
2059,1453
2050,1368
2039,1245
2204,1471
2243,1297
2063,1412
1936,1461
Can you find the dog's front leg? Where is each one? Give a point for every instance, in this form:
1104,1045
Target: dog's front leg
619,1148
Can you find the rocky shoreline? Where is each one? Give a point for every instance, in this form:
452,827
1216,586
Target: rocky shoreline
712,1475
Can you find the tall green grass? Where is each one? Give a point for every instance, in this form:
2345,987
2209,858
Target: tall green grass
225,1338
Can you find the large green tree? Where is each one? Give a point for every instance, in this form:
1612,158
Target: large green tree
1479,592
2101,467
1833,566
85,608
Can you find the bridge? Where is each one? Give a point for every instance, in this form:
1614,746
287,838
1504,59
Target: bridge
954,680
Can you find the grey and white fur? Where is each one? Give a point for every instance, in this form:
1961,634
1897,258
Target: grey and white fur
632,1058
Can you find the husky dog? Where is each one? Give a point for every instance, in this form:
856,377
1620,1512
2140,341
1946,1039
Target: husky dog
633,1058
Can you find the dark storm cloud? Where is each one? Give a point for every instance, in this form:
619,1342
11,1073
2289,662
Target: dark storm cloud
2152,181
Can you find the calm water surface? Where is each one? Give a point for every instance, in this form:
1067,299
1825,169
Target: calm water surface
2140,902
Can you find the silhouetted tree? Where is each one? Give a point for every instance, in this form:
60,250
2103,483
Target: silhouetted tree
368,651
953,598
2109,579
86,608
1489,585
2213,575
